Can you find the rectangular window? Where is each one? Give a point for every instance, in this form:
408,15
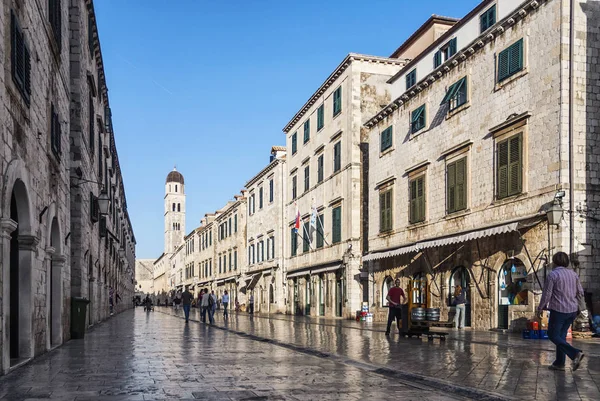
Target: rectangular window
55,133
456,95
260,198
20,60
94,210
210,267
253,203
510,61
437,59
235,260
320,169
417,200
306,131
294,187
456,185
91,35
253,254
337,157
224,263
320,230
487,19
411,79
294,143
337,101
272,247
305,239
306,178
336,224
220,261
262,251
449,49
54,17
271,190
91,125
510,166
230,261
235,223
417,119
385,210
294,242
210,239
320,117
268,249
229,226
387,136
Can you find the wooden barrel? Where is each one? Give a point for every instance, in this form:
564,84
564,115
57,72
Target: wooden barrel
432,314
418,314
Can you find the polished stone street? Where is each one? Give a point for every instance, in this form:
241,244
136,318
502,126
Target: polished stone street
470,363
156,356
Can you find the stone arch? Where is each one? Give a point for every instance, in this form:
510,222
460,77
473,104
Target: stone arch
17,232
388,282
54,285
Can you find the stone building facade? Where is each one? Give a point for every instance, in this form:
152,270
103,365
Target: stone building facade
467,160
41,179
324,174
265,232
144,276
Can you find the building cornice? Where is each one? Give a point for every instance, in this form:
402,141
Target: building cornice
333,77
460,57
271,166
434,19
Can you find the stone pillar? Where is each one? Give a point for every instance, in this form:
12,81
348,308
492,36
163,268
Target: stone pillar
7,226
27,249
352,297
48,268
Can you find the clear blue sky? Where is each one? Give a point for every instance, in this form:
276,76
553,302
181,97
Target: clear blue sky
209,85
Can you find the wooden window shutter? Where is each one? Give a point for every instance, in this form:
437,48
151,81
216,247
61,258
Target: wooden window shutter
461,178
451,187
514,165
421,198
502,160
437,59
382,212
503,65
452,47
515,57
413,201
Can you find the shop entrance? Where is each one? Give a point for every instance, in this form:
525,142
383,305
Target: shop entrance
460,276
321,297
511,288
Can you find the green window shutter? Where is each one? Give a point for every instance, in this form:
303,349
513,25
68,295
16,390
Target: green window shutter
451,92
515,57
451,187
452,47
337,101
320,117
337,225
386,138
421,198
382,212
502,160
320,168
337,156
413,202
320,233
515,175
294,142
385,208
293,242
418,119
503,65
306,131
461,182
437,59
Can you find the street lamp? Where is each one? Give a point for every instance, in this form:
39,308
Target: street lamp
103,202
554,214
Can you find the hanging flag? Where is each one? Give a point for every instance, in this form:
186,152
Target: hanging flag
313,216
297,225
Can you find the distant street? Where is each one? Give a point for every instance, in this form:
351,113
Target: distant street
154,356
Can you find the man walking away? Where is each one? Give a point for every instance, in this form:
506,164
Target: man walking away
560,297
212,303
205,304
225,301
186,299
395,306
251,304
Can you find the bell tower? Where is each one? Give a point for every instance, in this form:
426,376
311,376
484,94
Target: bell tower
174,211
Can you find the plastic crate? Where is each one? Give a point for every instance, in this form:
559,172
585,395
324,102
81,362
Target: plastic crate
543,334
527,334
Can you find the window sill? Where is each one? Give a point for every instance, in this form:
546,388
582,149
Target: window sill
509,199
336,115
500,85
420,132
457,110
385,234
387,151
420,224
457,214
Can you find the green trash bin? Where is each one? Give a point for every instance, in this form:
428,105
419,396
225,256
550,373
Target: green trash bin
78,315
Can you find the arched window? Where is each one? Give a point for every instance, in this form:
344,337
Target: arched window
511,278
179,207
173,207
460,276
271,294
388,283
418,288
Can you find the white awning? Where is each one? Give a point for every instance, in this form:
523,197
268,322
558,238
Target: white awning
325,269
298,274
389,254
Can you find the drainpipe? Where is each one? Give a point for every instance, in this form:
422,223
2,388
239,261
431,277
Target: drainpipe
571,164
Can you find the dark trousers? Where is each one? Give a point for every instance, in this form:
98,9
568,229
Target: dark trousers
251,309
225,312
186,312
558,326
204,310
393,313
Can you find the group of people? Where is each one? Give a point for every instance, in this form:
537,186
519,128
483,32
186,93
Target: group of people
207,302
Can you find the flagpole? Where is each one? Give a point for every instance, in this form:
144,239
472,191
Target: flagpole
322,230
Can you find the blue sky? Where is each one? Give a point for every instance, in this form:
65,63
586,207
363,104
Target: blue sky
209,86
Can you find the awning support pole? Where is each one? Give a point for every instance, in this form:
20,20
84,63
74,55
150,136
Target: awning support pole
530,261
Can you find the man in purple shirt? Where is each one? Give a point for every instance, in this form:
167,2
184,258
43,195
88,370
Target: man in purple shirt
560,297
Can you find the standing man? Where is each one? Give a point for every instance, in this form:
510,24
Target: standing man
395,306
225,300
251,304
186,299
560,297
212,302
205,304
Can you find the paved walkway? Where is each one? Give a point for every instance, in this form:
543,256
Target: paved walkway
154,356
490,362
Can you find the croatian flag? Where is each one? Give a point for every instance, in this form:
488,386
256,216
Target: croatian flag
297,225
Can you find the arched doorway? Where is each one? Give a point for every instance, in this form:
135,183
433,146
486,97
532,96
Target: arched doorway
460,276
511,278
55,281
388,283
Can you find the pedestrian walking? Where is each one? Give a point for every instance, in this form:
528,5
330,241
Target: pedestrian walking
225,301
207,307
560,296
251,304
186,299
395,298
213,307
177,301
460,299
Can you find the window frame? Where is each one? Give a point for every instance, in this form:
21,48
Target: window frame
320,232
307,131
320,117
417,208
509,172
411,78
55,20
336,231
294,186
19,52
418,119
386,209
337,156
484,19
271,190
452,94
294,143
386,139
520,45
320,168
453,191
294,242
306,178
337,101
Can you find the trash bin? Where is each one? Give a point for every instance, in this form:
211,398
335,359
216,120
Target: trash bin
78,315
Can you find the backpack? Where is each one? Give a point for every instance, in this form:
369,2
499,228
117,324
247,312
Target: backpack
211,300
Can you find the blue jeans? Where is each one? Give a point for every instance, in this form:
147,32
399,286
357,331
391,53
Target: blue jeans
459,317
558,326
225,306
204,309
211,315
186,312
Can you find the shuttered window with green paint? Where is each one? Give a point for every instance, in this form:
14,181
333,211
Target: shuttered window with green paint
437,59
294,242
306,131
337,157
385,210
510,61
294,143
386,138
487,19
337,101
509,166
418,119
456,95
320,230
417,200
411,79
320,169
320,117
456,185
336,224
